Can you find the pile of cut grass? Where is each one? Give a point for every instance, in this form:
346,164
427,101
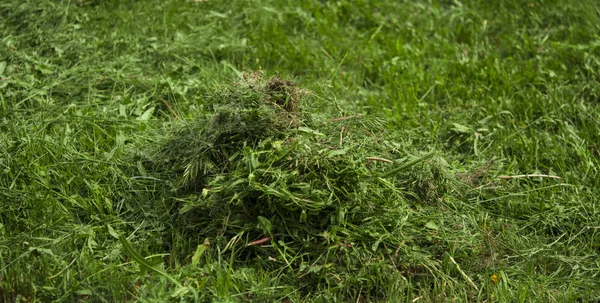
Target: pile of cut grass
261,181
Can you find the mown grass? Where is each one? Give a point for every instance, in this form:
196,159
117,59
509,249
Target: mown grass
140,162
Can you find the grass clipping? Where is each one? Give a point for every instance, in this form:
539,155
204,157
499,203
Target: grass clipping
257,179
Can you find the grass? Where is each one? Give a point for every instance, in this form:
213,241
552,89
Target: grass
143,159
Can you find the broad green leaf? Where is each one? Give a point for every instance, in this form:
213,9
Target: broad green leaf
186,208
147,114
41,250
199,252
84,292
431,225
265,224
338,152
459,128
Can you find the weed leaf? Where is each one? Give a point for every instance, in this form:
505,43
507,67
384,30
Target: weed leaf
144,263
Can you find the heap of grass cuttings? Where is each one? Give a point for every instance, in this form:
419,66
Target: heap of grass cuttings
241,116
258,178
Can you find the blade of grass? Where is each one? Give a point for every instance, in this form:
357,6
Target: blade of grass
407,165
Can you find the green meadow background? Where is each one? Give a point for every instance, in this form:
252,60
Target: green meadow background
109,112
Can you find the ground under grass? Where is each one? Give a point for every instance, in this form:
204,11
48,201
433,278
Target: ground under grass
299,151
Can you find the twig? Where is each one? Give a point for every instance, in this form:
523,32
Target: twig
463,273
379,159
345,118
341,136
528,176
169,108
368,133
263,240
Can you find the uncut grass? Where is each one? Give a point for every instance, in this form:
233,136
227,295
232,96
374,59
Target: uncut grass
496,89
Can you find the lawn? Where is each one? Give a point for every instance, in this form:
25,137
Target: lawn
299,151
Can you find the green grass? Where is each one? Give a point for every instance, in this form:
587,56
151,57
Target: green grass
141,159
